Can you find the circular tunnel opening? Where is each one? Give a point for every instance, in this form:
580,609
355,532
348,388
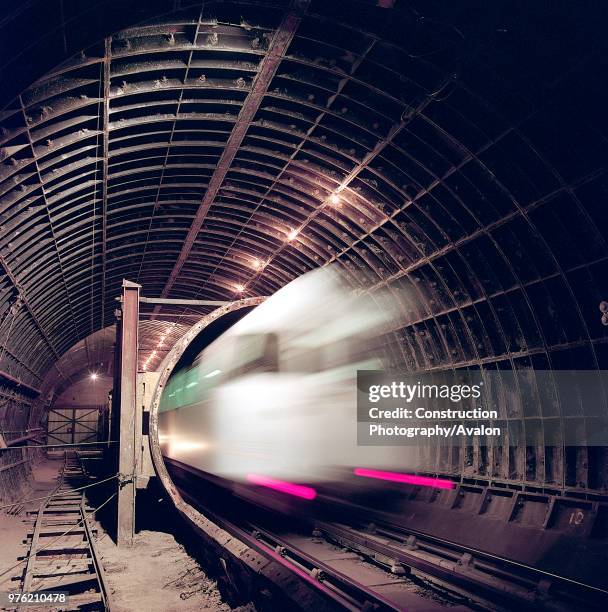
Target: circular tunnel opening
200,335
208,334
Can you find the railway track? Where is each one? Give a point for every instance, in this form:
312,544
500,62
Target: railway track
62,555
343,578
494,581
381,566
361,584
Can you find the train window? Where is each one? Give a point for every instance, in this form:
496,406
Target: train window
301,358
253,353
305,358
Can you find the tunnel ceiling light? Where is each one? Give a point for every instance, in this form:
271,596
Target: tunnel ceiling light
93,376
240,288
334,199
292,234
212,374
257,264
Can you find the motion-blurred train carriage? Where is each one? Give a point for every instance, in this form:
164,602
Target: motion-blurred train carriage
272,401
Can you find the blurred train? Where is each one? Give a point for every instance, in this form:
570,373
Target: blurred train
272,402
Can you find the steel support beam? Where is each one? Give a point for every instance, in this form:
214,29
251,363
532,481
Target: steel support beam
24,438
106,156
127,402
268,67
19,384
23,300
167,301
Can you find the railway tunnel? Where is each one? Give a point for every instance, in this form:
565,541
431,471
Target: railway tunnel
178,182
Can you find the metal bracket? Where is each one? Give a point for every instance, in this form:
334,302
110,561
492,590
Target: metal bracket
124,479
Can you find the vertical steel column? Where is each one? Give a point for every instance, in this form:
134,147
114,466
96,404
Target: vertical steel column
125,528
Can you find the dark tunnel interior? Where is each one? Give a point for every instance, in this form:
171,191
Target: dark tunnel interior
446,157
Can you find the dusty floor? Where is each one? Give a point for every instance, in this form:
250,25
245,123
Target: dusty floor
14,529
12,532
156,574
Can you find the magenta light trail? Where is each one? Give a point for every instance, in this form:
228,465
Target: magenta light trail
283,487
423,481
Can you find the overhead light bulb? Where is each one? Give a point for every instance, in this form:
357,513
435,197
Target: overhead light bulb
93,376
334,199
240,288
257,263
292,234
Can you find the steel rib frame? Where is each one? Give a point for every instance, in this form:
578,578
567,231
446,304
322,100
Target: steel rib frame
105,104
171,135
46,206
281,262
266,71
24,299
277,179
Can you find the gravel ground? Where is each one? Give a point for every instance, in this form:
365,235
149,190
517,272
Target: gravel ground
14,529
157,574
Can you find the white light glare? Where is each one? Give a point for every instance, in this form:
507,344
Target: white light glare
334,199
93,376
212,373
292,234
240,288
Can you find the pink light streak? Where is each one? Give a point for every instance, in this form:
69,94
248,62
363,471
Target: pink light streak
423,481
282,486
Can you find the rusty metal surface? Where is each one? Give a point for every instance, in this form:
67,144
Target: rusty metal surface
437,131
129,435
267,68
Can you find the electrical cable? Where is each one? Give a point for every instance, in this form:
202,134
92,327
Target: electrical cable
54,495
61,445
84,518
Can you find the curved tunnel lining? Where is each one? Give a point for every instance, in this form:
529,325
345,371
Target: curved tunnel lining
197,519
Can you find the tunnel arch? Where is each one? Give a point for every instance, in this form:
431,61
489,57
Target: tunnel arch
461,189
165,369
